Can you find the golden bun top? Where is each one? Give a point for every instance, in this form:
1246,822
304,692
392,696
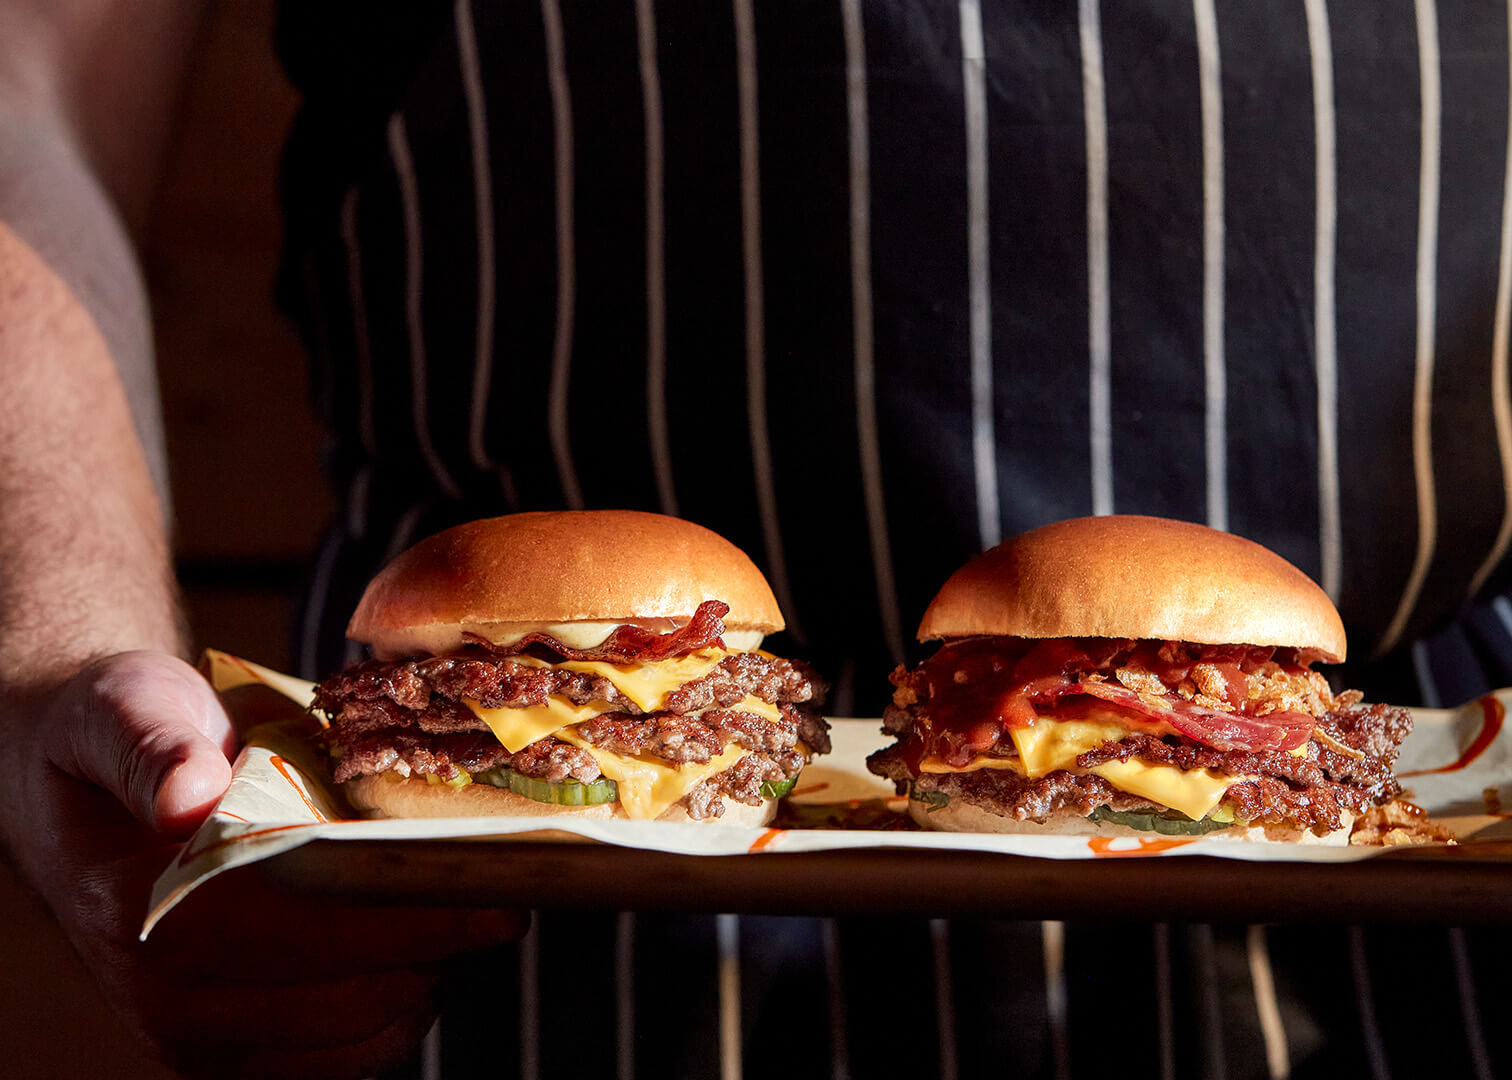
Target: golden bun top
506,575
1136,577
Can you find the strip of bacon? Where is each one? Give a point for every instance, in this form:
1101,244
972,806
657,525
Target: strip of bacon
629,644
1279,731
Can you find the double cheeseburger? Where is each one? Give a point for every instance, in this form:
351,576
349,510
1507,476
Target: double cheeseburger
1113,675
592,663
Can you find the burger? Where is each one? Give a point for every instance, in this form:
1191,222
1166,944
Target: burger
588,664
1135,675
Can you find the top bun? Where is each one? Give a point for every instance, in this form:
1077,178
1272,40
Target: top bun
1136,577
537,570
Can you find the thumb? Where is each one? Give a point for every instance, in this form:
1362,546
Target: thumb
148,729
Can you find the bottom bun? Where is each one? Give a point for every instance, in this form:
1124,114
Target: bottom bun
961,816
389,795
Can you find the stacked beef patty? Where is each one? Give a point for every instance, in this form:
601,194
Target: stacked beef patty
410,718
1299,755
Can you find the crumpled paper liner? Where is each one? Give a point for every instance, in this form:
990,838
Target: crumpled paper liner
1456,765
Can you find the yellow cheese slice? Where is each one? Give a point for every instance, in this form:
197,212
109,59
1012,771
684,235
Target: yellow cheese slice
1044,748
1048,746
518,728
1192,791
647,787
645,684
750,704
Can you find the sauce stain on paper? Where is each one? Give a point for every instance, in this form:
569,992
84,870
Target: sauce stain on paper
1103,846
1495,715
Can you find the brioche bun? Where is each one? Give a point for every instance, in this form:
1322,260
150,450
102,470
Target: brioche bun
1136,577
551,569
389,795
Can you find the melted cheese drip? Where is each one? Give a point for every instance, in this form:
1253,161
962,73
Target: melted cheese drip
648,787
645,684
518,728
1048,746
1194,791
749,704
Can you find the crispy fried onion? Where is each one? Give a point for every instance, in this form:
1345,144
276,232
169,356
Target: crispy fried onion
1336,746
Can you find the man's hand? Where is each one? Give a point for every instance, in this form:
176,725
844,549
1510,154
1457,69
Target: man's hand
107,771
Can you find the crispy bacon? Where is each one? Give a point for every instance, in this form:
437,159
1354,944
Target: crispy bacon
1228,697
1210,727
629,644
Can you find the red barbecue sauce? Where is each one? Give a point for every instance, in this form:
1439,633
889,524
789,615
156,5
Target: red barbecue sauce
1493,716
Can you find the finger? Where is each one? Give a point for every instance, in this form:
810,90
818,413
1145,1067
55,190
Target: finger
148,729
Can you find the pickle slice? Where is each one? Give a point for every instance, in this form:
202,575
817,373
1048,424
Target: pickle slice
1167,825
567,792
461,780
776,789
571,792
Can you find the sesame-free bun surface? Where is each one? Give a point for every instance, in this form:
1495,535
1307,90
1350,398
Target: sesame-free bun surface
1136,577
388,795
591,566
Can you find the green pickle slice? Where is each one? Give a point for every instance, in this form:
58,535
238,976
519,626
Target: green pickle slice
1167,825
567,792
571,792
776,789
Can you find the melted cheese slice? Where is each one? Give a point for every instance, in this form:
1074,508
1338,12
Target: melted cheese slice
749,704
645,684
1192,791
647,786
1048,746
518,728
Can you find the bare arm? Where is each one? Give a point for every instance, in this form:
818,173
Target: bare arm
84,562
87,89
84,566
110,744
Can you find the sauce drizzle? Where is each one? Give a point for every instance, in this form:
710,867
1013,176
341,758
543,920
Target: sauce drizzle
1104,847
1495,714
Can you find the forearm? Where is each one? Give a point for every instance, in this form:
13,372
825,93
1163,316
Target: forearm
87,92
84,563
86,88
56,205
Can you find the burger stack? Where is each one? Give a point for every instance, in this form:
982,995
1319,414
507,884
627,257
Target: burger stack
598,664
1129,675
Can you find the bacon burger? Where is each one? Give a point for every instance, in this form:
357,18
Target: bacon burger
591,663
1114,674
